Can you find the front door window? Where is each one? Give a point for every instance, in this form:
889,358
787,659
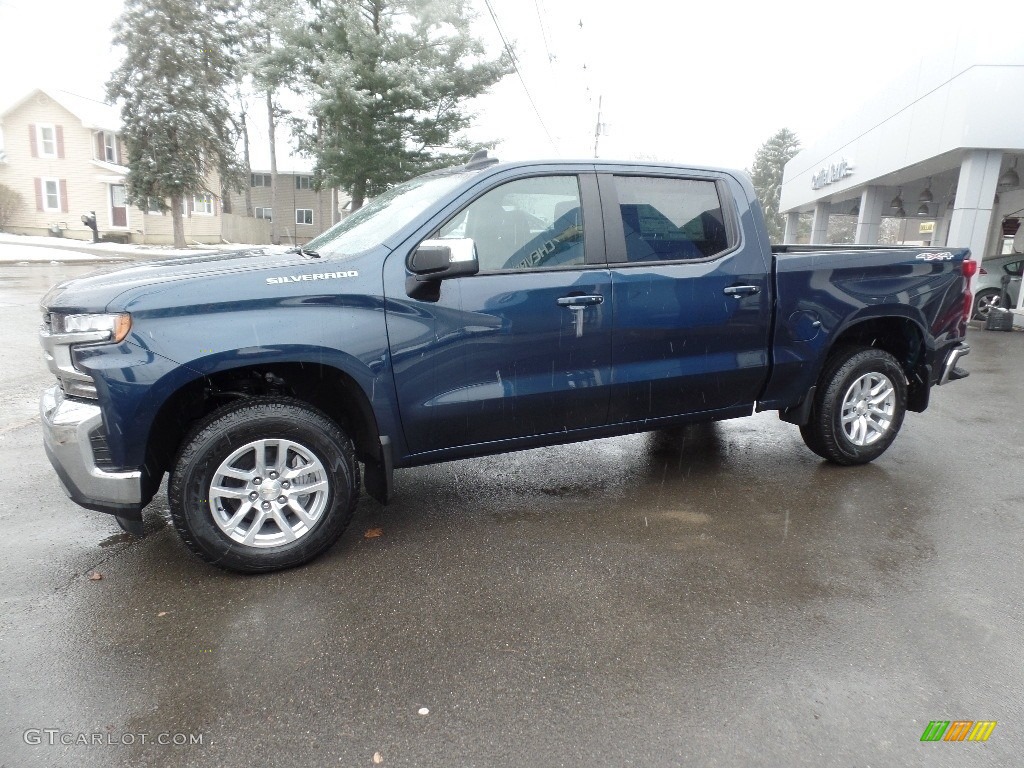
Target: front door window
530,223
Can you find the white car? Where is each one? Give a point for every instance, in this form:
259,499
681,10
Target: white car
989,290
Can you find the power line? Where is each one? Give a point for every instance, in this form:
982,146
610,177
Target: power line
515,66
543,33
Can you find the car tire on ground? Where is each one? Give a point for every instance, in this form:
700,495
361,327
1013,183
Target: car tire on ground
984,301
858,407
263,484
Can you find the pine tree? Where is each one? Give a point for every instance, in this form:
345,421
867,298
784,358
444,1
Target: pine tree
180,61
766,175
389,80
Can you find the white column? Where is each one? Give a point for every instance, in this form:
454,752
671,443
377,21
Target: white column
975,192
819,229
869,220
792,227
941,236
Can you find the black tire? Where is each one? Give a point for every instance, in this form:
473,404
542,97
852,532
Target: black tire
984,302
310,437
824,432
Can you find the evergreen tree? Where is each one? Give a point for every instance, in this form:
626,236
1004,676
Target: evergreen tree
389,79
766,175
180,60
10,202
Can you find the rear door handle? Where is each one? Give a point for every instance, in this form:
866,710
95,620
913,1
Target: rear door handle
580,301
736,291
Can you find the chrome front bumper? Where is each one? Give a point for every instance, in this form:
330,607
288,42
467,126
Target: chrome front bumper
66,427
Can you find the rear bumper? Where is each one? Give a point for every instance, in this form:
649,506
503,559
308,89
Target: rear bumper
67,425
950,372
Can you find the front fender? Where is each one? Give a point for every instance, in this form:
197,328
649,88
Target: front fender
172,344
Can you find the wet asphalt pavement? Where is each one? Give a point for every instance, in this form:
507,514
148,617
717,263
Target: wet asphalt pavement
713,596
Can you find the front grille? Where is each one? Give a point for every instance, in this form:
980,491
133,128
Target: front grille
100,449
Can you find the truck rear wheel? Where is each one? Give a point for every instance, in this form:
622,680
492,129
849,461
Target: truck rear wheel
263,484
858,408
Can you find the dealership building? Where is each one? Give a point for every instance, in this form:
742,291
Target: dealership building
941,149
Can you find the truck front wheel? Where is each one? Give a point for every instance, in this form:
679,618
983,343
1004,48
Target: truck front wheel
858,407
263,484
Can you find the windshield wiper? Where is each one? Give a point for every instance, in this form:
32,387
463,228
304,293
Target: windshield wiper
304,252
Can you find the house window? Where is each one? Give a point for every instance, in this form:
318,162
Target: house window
203,204
51,194
109,147
260,180
153,206
47,140
264,213
303,215
302,182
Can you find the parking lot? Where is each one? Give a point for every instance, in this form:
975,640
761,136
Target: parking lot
709,596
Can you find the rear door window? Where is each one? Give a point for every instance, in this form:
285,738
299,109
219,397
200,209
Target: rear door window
671,219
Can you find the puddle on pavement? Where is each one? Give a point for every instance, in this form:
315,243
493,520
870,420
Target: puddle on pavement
152,523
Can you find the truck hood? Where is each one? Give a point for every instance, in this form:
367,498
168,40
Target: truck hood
99,290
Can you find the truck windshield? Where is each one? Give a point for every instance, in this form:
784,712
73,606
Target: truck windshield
384,215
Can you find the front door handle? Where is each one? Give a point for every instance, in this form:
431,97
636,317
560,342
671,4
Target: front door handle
736,291
580,301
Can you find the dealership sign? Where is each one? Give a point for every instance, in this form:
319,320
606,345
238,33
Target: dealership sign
830,174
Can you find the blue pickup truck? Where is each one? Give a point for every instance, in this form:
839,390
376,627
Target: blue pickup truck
485,308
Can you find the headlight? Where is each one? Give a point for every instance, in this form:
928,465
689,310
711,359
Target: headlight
115,326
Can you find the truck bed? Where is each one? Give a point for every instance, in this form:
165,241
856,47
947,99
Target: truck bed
824,292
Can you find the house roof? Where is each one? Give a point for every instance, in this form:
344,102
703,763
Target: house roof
94,114
97,115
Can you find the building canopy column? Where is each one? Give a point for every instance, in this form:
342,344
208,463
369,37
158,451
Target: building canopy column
792,227
975,194
869,219
819,229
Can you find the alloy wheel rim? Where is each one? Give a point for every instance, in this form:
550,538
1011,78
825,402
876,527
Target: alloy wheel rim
868,408
268,493
985,303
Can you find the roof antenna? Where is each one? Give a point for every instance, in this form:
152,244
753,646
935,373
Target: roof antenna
481,160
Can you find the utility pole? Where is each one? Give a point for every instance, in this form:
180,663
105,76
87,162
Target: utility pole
597,128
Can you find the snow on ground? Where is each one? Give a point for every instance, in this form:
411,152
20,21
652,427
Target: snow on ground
12,253
19,248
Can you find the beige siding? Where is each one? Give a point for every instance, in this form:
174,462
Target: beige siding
199,227
85,193
87,183
290,199
245,229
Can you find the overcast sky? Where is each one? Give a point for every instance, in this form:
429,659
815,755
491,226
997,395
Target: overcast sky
698,82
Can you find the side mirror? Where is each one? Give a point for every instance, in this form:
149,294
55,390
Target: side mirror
437,260
443,259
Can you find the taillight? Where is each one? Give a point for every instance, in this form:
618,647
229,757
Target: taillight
970,269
